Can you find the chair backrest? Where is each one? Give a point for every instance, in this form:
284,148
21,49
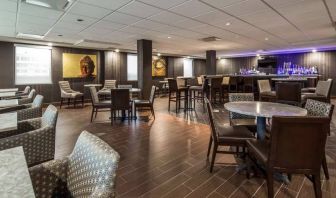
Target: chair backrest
233,80
49,117
94,95
125,86
248,80
288,93
65,86
297,143
152,94
214,133
180,82
226,80
216,83
120,99
26,90
199,80
38,101
32,94
324,87
172,83
264,86
92,168
240,97
110,84
319,109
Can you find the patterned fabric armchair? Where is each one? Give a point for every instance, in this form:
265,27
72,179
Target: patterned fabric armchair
108,85
34,110
89,171
237,119
24,92
29,98
322,92
68,93
36,136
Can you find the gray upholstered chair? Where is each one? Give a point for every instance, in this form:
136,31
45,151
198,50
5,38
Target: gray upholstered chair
33,110
97,104
36,136
89,171
28,99
237,119
24,92
68,93
108,85
320,109
322,92
146,103
265,91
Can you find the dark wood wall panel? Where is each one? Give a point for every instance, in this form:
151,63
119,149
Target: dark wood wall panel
7,78
199,67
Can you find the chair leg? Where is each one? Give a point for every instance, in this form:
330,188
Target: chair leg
82,101
135,112
209,147
317,185
325,167
61,103
112,113
74,102
96,113
152,109
269,179
92,113
68,101
214,152
169,95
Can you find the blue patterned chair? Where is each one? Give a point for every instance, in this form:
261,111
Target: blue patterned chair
237,119
320,109
33,110
28,99
36,136
89,171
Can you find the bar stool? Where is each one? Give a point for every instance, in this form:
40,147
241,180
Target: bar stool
176,90
216,87
233,83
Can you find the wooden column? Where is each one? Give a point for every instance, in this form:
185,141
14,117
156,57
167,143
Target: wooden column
145,66
210,62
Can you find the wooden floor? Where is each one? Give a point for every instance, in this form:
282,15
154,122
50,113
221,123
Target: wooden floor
167,157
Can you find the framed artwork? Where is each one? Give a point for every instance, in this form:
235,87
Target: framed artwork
159,67
79,65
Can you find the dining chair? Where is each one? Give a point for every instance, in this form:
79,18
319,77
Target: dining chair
311,85
233,84
322,92
36,136
70,94
89,171
120,101
199,93
265,91
25,92
302,153
28,99
108,84
125,86
248,84
175,94
225,87
97,104
224,135
288,93
33,110
216,88
321,109
146,103
237,119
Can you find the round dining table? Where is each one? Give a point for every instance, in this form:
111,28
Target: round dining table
263,110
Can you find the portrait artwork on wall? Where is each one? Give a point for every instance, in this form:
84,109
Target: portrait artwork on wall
159,67
79,65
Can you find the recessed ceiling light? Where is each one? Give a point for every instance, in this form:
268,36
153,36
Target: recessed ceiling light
258,55
117,50
219,58
266,39
60,35
314,50
169,37
80,20
49,44
228,23
158,54
188,56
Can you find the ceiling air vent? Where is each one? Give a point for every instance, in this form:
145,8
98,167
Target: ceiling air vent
52,4
210,39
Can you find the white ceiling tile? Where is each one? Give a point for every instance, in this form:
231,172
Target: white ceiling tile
105,24
31,28
165,4
139,9
39,11
148,24
167,18
108,4
7,31
8,6
121,18
188,24
72,18
88,10
24,19
245,7
191,8
222,3
332,7
7,18
214,17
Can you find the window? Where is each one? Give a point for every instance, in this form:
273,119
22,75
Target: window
187,67
32,65
132,67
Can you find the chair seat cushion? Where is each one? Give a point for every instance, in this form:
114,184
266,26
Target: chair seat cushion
141,102
105,103
195,88
73,95
308,89
305,96
268,93
260,149
233,134
243,122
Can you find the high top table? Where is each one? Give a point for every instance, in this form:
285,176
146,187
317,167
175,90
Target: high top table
9,90
7,94
263,110
14,176
8,122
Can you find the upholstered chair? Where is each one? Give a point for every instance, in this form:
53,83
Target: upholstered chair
28,99
108,85
36,136
97,104
24,92
265,91
320,109
89,171
68,93
146,103
237,119
322,92
33,110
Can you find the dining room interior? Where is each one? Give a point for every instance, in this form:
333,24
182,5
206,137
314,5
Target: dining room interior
167,98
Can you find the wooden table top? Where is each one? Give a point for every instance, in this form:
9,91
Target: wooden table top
15,179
